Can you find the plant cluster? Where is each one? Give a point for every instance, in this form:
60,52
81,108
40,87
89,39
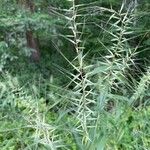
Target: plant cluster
90,89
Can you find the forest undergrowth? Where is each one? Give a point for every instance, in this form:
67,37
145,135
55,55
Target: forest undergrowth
76,98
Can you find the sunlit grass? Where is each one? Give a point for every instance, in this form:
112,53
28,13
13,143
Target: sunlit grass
101,107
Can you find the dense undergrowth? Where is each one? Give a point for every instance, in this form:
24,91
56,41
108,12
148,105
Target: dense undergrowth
91,91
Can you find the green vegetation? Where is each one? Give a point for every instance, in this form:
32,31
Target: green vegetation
74,75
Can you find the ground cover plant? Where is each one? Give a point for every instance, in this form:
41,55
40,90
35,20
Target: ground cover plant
74,75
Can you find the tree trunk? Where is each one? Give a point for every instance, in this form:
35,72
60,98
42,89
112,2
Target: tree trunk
32,42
